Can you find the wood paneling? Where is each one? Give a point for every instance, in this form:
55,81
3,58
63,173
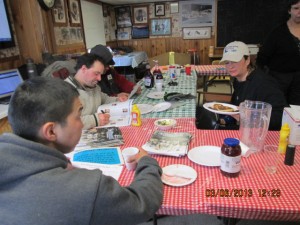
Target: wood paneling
158,46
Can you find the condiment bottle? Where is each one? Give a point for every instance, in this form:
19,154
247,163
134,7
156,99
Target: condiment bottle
231,157
136,116
31,68
283,138
290,155
148,78
158,74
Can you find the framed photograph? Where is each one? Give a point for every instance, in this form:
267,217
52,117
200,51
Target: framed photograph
140,15
200,13
160,27
124,33
140,32
123,16
174,7
159,9
59,13
74,12
196,33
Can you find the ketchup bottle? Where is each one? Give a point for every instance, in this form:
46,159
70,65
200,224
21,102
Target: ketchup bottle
231,157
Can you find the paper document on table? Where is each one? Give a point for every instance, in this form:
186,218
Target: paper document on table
108,170
165,143
107,159
135,88
120,113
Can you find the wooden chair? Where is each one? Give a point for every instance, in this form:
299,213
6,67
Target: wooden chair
213,96
212,79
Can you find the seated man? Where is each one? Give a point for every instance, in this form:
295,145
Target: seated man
112,83
89,69
251,83
38,183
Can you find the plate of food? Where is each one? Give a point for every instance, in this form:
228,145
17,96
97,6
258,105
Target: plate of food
156,95
178,175
221,108
206,155
161,106
145,108
165,124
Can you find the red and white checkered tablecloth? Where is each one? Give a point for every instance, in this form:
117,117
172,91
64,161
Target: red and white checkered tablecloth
211,70
263,203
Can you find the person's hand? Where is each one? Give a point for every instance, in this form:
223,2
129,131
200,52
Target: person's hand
103,118
236,116
141,154
122,97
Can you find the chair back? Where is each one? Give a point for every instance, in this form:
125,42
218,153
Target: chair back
204,97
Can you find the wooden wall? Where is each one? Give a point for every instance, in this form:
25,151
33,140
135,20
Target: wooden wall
157,46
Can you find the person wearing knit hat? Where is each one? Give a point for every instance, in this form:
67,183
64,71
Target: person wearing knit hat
251,83
112,83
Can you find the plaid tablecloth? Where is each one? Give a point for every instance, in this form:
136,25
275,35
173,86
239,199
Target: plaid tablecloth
186,85
274,196
211,70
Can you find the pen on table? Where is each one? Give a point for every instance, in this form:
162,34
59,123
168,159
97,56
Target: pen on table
102,112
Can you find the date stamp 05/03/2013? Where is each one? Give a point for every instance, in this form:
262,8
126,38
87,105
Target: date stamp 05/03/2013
238,193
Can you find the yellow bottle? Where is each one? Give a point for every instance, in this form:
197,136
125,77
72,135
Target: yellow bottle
284,138
136,116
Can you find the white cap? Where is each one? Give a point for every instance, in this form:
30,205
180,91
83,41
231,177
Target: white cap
235,51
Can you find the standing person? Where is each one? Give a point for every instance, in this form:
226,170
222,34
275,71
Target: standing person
89,69
111,82
280,54
251,83
39,185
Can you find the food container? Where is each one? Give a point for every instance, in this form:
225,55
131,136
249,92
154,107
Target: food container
165,124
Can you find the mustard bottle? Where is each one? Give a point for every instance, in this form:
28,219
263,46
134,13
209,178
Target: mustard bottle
283,138
136,116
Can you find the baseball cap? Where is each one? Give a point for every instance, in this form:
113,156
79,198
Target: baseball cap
104,53
235,51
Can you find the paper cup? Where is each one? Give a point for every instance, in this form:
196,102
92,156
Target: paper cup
129,157
188,70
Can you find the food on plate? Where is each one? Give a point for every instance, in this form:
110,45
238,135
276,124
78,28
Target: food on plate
175,179
164,122
223,108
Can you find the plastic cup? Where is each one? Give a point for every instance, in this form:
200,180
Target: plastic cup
129,157
271,157
159,86
188,70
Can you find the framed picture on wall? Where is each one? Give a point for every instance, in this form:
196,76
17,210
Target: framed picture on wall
196,33
160,27
123,16
159,9
174,7
59,15
74,12
124,33
200,13
140,15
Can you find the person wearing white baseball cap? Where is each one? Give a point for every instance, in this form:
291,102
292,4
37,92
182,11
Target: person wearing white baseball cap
251,83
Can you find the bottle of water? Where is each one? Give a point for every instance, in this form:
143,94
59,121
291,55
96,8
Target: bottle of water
31,68
148,78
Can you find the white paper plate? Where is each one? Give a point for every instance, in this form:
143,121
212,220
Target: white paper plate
209,105
206,155
145,108
156,95
178,175
161,106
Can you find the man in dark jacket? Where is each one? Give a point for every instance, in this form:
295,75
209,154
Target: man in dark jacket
38,184
111,82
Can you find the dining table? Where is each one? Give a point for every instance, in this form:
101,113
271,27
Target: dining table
254,194
186,84
204,71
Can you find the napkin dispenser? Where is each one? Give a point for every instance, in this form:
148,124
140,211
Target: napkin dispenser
292,117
